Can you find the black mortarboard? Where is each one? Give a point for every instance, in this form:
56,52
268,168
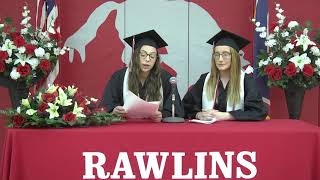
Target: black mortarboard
151,38
226,38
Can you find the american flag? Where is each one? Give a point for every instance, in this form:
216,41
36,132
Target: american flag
47,12
261,15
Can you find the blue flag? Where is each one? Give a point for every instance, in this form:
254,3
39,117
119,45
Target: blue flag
261,15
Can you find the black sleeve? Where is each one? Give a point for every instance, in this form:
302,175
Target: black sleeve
192,101
167,98
112,95
254,108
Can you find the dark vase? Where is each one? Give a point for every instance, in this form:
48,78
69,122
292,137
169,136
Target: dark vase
294,99
17,90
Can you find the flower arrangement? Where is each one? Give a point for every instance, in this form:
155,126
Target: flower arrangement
28,55
59,106
292,57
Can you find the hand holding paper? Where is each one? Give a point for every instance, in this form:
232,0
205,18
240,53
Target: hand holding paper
138,108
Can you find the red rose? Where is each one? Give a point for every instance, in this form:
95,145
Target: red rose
269,69
2,66
19,41
14,34
24,70
3,55
57,36
42,107
45,65
18,120
86,109
277,74
290,70
307,70
80,99
30,48
69,117
48,98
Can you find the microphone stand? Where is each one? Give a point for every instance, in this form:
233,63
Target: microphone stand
173,118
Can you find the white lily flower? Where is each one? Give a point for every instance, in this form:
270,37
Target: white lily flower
260,64
93,99
47,56
25,103
8,46
19,109
317,62
39,97
292,24
304,41
49,45
24,31
300,61
280,16
63,98
315,50
277,60
52,88
78,110
34,42
8,61
285,34
56,51
25,21
22,49
276,29
52,110
30,112
39,52
25,13
270,36
14,74
288,47
23,59
71,90
270,43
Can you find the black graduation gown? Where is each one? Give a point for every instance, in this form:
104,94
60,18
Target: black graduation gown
113,96
254,108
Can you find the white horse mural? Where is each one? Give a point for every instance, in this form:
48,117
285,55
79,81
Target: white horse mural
186,35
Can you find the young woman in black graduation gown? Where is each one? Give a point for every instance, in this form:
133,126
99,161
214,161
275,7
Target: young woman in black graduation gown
144,77
226,93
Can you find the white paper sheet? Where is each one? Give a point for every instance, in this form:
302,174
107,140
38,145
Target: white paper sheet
138,108
209,121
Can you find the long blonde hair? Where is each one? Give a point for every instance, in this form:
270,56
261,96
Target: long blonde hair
234,82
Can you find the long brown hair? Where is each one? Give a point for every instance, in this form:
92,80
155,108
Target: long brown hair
153,81
234,82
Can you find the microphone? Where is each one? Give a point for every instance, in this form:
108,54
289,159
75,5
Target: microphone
173,82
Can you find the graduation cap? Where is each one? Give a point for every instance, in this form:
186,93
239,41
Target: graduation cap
226,38
151,38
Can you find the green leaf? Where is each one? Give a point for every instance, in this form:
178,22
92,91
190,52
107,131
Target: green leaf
8,21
